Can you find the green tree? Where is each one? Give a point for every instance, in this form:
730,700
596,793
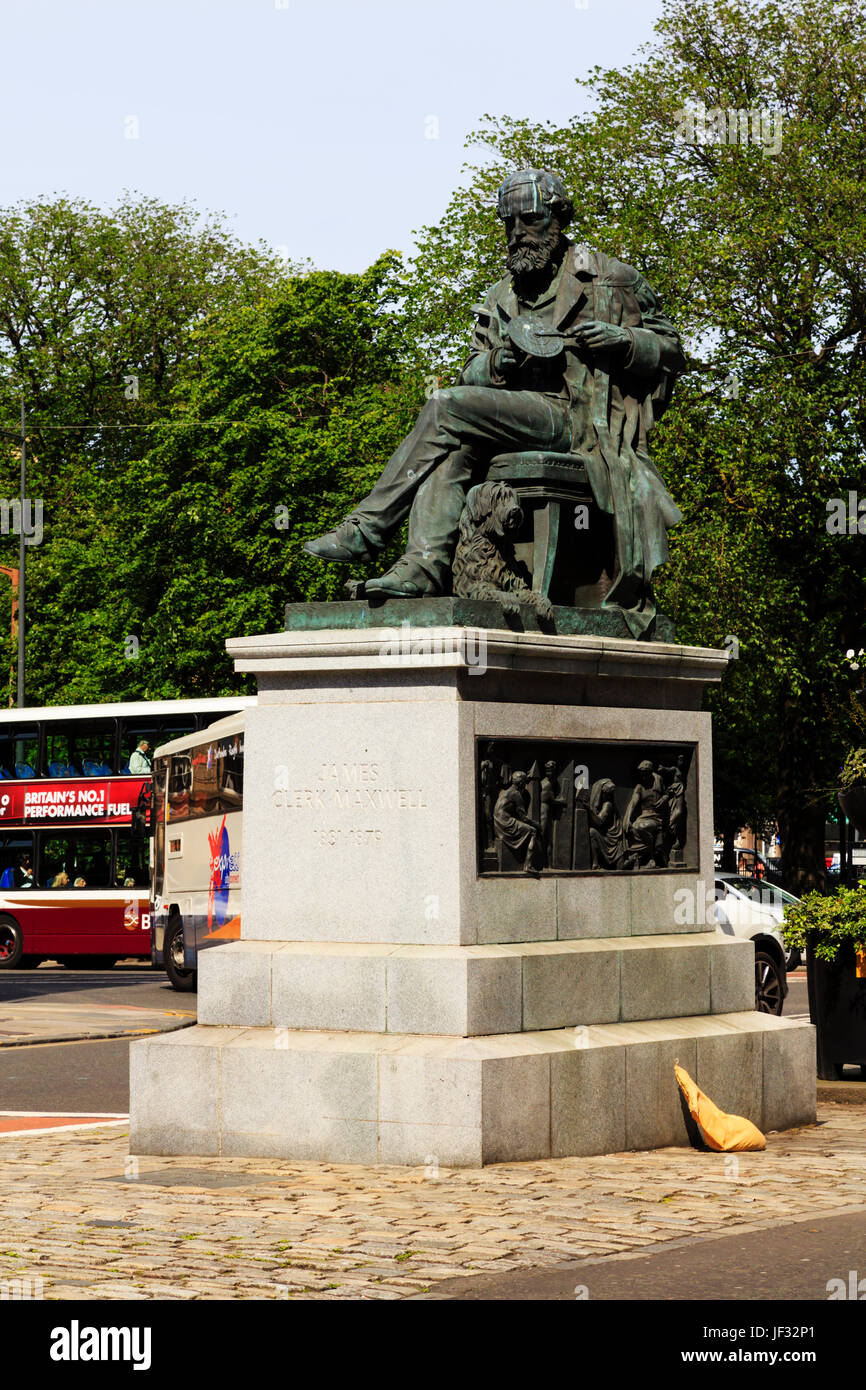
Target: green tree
98,311
96,307
285,417
282,405
758,250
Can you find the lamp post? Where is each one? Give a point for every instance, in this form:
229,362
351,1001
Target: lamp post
17,576
21,555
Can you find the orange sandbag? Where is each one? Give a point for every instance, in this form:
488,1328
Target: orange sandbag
724,1133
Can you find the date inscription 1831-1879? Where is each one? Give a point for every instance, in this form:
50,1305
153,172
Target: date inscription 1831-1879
561,807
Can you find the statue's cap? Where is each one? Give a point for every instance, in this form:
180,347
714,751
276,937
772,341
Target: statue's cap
534,190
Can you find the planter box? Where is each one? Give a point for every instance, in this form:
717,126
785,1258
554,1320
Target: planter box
837,1007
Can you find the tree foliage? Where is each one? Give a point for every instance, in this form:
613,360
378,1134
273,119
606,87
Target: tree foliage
834,920
758,251
194,409
292,408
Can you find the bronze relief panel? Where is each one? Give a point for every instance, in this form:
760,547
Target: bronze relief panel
561,807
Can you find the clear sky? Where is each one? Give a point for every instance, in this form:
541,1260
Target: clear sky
309,122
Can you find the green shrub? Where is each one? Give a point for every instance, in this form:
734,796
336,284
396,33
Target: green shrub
835,919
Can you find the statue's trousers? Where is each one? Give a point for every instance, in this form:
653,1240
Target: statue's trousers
427,477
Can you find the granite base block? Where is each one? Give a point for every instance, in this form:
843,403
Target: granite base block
473,991
459,1102
393,997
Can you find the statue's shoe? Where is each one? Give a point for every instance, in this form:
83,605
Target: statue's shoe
345,544
403,580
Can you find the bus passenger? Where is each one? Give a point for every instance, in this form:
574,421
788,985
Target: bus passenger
19,874
140,763
23,872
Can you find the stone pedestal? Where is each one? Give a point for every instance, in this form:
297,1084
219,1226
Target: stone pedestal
396,997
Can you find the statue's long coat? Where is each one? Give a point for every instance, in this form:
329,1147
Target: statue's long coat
611,426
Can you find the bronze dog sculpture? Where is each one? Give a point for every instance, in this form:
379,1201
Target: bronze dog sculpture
485,566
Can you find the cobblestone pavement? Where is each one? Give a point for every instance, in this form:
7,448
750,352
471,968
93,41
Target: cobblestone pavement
92,1223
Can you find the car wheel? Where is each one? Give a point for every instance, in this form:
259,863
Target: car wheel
181,978
769,984
11,944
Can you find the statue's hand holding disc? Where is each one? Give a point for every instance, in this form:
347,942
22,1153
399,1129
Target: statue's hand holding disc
533,338
600,337
506,360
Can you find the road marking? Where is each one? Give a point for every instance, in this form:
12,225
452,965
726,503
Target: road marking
25,1122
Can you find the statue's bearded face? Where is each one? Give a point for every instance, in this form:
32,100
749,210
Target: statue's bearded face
533,238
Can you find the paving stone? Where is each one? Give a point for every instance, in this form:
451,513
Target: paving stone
302,1227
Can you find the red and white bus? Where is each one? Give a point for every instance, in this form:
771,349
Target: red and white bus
74,827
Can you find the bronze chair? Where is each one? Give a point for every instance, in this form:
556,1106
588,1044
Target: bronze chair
566,542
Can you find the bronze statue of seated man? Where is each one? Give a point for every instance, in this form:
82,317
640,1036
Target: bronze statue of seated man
572,354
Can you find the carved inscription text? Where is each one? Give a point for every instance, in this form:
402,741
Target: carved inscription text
346,786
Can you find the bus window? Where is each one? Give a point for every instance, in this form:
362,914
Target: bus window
130,865
207,780
206,767
232,780
179,786
159,781
155,730
93,748
19,750
73,858
83,748
16,853
178,727
58,752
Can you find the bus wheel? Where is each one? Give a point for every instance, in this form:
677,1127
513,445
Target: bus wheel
181,978
11,944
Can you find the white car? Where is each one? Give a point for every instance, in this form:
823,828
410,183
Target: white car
775,900
743,909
